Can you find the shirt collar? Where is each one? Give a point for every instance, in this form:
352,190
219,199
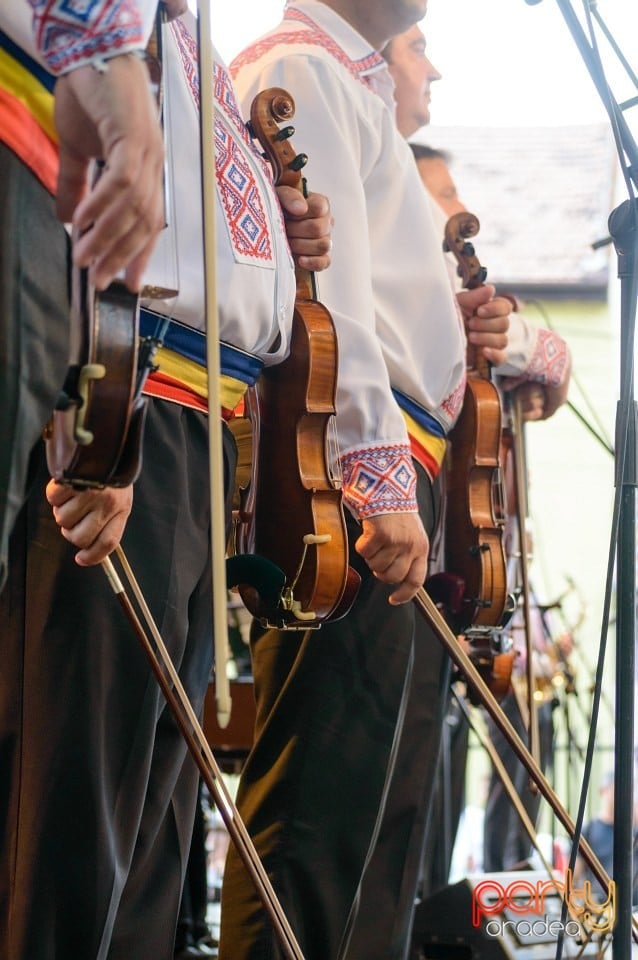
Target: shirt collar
365,60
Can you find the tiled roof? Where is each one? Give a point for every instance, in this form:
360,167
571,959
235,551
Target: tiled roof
543,195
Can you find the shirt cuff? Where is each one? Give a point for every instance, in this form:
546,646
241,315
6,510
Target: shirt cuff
379,480
120,30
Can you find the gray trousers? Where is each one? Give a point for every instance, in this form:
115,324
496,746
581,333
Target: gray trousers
96,791
34,328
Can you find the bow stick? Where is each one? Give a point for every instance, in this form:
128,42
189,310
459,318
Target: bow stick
182,710
428,609
520,484
216,473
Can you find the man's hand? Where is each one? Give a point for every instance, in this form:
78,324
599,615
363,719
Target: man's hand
395,547
487,320
92,520
110,116
308,227
539,401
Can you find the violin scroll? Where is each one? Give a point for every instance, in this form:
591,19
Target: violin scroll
458,229
269,108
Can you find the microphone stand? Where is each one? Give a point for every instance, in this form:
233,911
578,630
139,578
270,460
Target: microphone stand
623,229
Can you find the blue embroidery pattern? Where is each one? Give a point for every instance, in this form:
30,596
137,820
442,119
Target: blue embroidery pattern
68,32
239,191
547,365
380,480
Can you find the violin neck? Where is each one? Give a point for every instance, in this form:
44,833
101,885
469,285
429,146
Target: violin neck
477,364
306,279
306,284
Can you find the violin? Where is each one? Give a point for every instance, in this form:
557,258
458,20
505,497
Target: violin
291,514
93,438
491,652
475,515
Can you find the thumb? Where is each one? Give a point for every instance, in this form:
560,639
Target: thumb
292,201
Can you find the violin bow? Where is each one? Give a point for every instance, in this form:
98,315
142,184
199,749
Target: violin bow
428,609
215,458
520,482
177,699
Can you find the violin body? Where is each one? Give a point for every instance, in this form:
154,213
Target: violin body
94,436
493,656
291,511
291,494
474,515
474,510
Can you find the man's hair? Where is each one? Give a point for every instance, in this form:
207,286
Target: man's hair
421,152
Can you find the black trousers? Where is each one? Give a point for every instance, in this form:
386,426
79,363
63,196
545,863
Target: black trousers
385,905
330,708
96,792
506,842
191,921
34,328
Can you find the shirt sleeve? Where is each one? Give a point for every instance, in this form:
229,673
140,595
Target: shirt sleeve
378,474
68,35
534,353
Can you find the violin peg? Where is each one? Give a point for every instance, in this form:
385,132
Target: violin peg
299,162
285,133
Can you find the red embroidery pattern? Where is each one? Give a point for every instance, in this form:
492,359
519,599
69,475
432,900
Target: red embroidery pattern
68,32
549,359
313,35
239,191
452,404
380,480
241,199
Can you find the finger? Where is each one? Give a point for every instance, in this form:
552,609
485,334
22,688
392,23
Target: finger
131,255
104,544
117,220
316,247
58,493
494,341
388,566
318,205
495,308
494,356
292,202
309,229
70,516
412,582
129,251
471,300
134,271
490,324
314,264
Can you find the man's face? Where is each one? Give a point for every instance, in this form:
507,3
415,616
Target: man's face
412,73
440,185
